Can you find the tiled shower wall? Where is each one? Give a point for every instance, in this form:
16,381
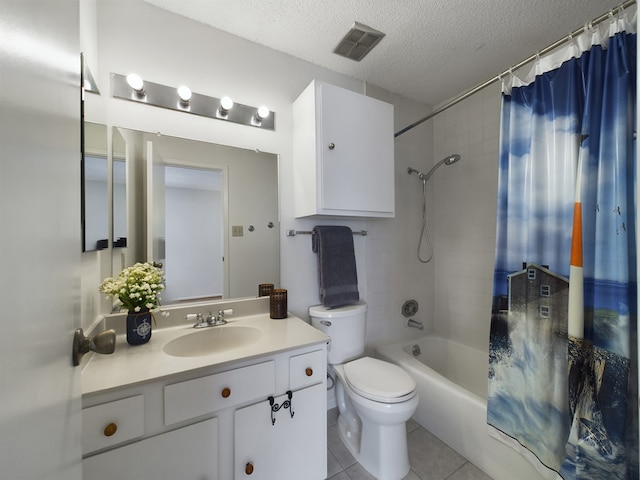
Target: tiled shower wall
463,212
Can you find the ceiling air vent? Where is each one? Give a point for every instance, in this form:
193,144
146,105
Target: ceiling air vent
358,41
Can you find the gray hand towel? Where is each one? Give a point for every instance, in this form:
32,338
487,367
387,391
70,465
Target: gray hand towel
336,265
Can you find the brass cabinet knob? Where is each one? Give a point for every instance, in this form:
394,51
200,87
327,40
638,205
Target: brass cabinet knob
309,371
226,391
248,468
110,429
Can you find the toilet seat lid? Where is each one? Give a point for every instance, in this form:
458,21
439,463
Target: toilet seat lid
379,380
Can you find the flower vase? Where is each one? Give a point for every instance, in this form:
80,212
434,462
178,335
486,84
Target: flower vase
138,327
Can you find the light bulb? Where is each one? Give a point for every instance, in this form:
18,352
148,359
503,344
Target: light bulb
135,82
263,112
184,93
226,104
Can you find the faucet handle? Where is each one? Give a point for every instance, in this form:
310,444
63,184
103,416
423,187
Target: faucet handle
195,316
221,314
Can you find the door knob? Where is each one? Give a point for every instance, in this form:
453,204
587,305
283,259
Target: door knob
104,342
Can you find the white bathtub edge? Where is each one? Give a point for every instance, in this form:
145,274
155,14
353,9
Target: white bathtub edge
458,418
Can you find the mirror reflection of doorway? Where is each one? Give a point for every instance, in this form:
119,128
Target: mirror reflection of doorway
194,234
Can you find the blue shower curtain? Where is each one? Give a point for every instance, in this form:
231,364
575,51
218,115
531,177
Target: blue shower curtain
563,357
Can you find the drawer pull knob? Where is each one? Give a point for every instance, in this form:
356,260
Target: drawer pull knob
309,371
226,391
110,429
332,146
248,469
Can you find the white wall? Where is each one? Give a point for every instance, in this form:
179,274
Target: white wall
167,49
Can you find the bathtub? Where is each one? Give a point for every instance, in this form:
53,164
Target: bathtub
452,384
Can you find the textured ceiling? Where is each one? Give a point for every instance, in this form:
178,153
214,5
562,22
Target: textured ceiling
433,49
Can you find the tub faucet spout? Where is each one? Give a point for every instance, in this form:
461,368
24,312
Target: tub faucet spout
415,324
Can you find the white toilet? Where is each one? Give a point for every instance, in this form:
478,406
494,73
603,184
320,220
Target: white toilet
375,398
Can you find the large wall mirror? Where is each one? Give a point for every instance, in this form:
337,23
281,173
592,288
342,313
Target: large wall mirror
119,175
208,213
95,190
97,176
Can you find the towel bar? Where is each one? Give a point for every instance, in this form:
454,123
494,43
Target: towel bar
293,233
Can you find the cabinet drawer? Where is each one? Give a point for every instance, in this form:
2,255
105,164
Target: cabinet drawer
307,369
204,395
187,453
112,423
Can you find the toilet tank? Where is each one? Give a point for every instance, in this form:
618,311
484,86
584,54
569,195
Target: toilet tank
345,326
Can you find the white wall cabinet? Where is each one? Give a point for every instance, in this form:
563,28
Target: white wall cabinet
343,153
214,424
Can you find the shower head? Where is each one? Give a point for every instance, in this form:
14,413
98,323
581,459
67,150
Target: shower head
450,160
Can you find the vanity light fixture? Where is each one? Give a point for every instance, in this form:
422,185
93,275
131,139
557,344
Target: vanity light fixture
226,104
184,93
136,83
133,89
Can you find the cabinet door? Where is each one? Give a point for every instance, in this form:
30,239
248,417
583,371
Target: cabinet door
189,453
292,448
356,150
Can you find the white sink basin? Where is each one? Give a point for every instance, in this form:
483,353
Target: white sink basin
212,340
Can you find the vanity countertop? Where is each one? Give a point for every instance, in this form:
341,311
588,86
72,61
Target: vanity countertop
130,365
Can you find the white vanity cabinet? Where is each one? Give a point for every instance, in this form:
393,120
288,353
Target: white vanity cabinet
278,447
285,437
343,153
200,424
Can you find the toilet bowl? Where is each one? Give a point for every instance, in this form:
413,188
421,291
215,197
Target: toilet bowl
375,398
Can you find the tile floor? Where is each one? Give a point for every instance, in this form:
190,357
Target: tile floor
430,459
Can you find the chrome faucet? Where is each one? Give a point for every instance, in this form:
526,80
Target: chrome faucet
211,320
415,324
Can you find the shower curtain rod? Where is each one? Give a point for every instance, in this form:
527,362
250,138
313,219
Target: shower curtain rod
545,50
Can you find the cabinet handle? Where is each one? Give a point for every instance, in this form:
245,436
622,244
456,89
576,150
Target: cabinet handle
110,429
309,371
248,469
332,146
226,391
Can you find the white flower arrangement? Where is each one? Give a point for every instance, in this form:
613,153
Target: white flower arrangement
136,287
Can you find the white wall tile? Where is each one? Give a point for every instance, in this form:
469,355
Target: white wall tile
464,203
